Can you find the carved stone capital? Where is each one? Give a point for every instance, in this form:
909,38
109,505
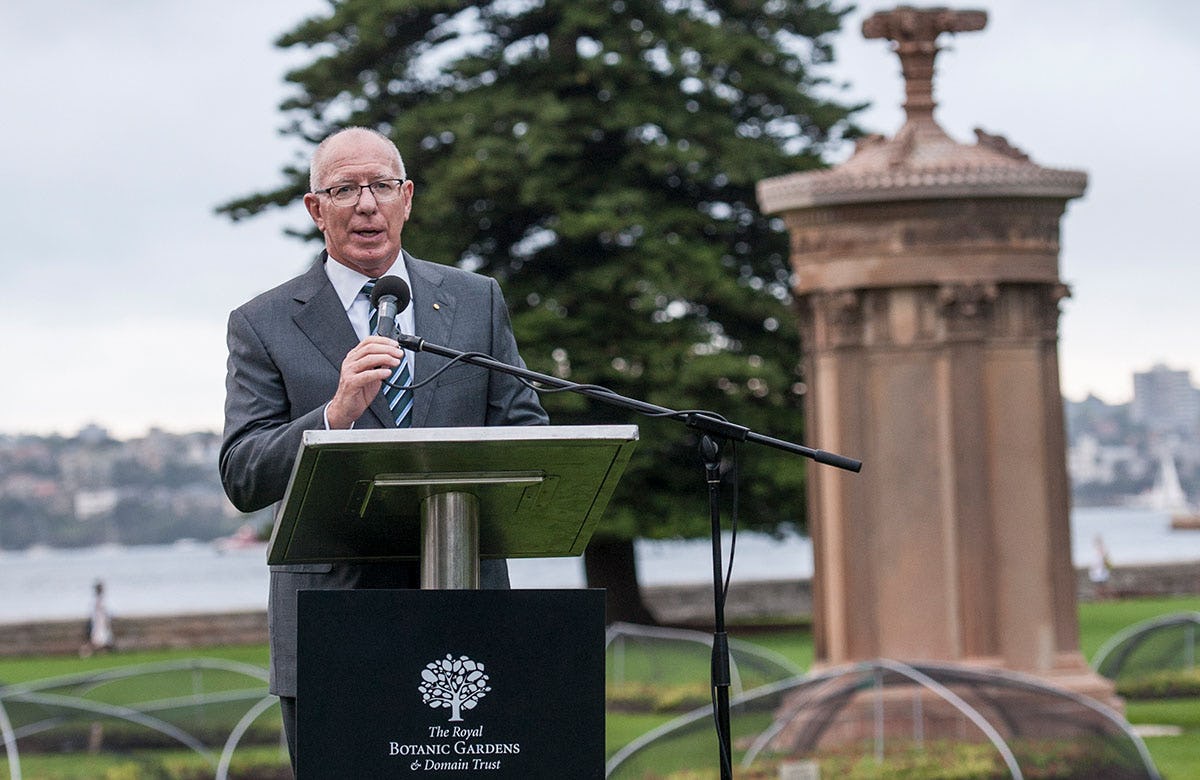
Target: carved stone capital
967,300
831,320
1051,309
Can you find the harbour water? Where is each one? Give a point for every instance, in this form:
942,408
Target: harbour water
47,584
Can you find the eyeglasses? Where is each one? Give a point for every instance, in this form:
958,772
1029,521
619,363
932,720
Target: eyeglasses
349,194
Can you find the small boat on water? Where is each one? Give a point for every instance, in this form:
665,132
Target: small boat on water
1189,521
1169,496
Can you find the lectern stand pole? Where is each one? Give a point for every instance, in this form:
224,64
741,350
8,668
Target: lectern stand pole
450,542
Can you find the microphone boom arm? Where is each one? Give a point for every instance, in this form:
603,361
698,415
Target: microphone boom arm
701,421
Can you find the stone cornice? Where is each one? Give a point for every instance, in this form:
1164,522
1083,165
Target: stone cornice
835,187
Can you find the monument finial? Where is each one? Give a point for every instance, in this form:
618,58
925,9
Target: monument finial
914,33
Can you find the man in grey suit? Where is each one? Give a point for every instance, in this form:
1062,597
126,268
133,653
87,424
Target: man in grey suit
301,357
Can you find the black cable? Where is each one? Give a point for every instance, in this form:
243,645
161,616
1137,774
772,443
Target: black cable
441,370
733,518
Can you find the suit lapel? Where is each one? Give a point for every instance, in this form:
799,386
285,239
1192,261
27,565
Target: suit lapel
434,319
323,320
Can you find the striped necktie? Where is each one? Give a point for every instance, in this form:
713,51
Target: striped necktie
399,398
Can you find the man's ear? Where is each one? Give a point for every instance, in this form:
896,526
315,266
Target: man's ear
313,204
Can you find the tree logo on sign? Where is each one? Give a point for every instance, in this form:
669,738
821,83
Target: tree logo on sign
454,683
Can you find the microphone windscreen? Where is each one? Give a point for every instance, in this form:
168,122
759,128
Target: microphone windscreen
394,286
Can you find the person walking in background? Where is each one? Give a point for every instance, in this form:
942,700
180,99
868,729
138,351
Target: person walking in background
1101,569
99,625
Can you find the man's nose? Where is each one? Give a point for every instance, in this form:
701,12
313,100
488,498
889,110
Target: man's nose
366,201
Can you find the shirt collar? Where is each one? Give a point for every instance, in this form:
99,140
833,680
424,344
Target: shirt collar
348,283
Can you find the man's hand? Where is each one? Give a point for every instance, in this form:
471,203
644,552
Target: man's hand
364,371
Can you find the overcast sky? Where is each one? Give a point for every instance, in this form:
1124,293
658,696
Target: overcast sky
125,122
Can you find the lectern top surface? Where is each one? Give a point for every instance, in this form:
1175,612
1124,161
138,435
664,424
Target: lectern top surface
548,433
357,495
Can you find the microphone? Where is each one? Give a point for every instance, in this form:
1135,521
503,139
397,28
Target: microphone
390,297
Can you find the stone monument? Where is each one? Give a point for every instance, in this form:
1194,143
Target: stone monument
926,275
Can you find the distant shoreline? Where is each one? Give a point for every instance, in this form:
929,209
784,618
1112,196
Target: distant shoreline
750,604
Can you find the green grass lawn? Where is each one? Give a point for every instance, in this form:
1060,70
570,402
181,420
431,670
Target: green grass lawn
24,669
1176,757
1099,620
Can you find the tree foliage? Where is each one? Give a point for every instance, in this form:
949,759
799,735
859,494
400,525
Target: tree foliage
599,158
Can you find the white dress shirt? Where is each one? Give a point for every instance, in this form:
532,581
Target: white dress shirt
348,284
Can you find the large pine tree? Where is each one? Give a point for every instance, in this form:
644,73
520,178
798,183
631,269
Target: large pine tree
599,158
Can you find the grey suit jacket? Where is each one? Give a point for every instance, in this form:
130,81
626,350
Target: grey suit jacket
286,348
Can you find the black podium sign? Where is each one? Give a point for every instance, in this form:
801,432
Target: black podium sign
436,684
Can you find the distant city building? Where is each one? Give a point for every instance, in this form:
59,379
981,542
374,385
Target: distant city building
93,435
1092,416
89,489
1164,400
1089,460
1114,459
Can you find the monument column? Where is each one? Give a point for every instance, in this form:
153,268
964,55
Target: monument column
926,275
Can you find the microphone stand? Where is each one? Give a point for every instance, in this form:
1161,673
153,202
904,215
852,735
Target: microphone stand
713,431
710,453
